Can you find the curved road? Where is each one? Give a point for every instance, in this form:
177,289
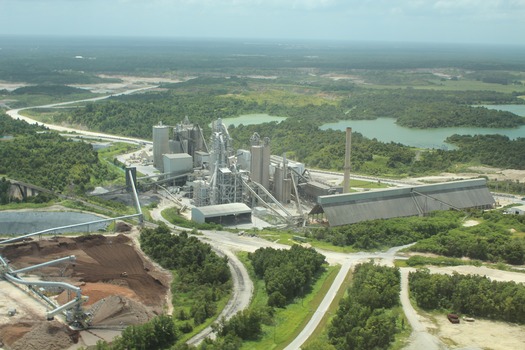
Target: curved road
242,283
15,114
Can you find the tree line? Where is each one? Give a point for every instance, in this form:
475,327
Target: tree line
491,240
198,271
381,233
471,295
366,317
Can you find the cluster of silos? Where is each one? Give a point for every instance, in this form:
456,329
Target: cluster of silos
282,182
181,154
188,138
260,160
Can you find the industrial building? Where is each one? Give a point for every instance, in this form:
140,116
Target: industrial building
177,163
225,214
349,208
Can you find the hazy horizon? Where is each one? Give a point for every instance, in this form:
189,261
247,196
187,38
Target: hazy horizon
485,22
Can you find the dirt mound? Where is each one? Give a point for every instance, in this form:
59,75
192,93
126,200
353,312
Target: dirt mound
44,336
98,291
119,311
10,333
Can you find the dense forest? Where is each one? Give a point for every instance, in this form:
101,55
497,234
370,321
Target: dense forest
57,60
366,317
469,295
492,240
205,99
12,127
286,273
50,161
198,271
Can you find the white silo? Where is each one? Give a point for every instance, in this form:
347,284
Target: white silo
161,135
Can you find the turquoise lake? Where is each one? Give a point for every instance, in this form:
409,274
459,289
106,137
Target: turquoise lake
386,129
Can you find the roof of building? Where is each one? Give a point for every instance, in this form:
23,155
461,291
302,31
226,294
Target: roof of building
223,209
348,208
176,155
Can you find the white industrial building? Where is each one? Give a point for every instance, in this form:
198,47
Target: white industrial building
177,163
224,214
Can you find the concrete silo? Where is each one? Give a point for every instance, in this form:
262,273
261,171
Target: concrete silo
161,135
260,160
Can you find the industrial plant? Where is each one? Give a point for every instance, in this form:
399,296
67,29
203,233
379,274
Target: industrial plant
227,186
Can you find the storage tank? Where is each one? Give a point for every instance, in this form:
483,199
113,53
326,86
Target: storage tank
161,135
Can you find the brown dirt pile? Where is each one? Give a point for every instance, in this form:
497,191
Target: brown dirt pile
100,259
44,336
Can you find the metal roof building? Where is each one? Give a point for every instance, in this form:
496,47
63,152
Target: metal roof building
225,214
349,208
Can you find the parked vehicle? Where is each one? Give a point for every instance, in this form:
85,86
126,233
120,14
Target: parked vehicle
453,318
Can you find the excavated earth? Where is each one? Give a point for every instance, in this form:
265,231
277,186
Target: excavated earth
123,287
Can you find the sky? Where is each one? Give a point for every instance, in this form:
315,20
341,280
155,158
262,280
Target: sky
429,21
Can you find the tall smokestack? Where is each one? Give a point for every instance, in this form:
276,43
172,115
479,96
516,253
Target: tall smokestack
348,153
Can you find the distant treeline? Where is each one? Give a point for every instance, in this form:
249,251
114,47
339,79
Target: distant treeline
80,60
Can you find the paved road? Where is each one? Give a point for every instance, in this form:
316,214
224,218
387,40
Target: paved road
420,338
15,114
321,310
242,283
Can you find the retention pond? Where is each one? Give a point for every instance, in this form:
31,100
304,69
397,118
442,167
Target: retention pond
21,222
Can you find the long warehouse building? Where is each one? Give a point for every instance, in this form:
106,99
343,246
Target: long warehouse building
349,208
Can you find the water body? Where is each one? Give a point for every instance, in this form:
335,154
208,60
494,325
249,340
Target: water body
516,109
386,130
252,119
33,221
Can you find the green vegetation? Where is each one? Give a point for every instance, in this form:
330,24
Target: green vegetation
46,159
51,161
286,273
159,333
199,272
275,327
374,234
35,95
368,317
507,186
418,261
471,295
493,150
495,239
